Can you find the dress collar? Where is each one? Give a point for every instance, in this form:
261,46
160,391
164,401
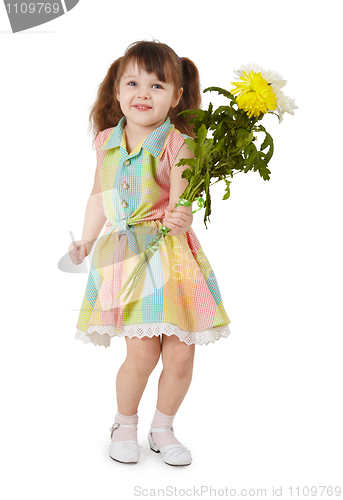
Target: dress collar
153,143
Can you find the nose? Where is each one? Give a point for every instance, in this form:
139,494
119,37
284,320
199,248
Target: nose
144,93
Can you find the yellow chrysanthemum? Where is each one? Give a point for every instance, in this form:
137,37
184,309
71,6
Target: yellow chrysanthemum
255,95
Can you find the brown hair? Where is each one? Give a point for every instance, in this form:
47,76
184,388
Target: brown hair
153,57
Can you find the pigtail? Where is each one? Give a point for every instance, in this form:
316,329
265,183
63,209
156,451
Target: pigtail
191,97
106,111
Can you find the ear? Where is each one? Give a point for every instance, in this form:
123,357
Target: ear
177,98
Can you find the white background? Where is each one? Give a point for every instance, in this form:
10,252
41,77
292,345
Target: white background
264,408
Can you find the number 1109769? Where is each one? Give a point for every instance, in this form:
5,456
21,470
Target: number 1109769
32,8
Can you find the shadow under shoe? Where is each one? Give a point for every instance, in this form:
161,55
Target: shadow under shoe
127,452
172,454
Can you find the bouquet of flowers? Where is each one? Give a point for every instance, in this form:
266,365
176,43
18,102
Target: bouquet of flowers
231,148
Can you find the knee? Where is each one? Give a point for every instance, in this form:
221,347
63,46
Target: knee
145,356
179,359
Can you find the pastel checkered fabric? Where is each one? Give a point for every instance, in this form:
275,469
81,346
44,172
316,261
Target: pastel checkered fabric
178,287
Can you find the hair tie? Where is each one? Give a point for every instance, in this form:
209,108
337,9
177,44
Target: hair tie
180,59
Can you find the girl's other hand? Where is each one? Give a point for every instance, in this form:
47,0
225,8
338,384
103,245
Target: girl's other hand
178,219
78,250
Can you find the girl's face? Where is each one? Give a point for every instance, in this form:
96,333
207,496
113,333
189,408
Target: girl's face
144,99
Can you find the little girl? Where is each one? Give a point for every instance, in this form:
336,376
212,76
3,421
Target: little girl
176,305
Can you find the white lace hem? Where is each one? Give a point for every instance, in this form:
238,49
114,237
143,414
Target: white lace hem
101,334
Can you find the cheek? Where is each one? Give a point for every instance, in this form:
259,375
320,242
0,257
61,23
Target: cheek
166,102
123,98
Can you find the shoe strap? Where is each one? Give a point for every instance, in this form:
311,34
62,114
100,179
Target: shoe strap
161,429
116,426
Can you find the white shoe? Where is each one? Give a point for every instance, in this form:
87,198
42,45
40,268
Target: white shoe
172,454
127,452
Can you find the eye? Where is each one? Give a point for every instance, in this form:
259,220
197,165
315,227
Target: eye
157,85
131,84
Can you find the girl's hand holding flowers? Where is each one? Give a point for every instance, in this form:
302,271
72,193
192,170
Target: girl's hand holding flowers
178,219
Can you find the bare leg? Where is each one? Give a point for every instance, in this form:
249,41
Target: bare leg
175,379
142,357
176,376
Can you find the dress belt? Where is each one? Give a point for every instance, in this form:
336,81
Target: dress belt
125,228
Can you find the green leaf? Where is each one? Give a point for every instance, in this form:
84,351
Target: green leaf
201,146
242,132
191,144
219,131
264,173
208,112
204,145
187,112
187,174
251,156
202,134
225,110
207,194
196,121
268,142
227,194
244,137
224,92
220,145
192,162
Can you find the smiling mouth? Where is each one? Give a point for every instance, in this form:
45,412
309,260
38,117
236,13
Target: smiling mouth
141,107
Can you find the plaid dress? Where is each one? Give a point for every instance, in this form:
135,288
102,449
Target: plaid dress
178,293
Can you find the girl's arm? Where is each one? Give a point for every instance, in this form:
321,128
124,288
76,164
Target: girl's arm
180,219
94,217
94,222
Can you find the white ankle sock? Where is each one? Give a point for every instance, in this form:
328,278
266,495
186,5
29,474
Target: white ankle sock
165,437
125,433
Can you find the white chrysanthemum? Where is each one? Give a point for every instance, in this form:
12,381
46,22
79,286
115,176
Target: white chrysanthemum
269,75
247,68
284,104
